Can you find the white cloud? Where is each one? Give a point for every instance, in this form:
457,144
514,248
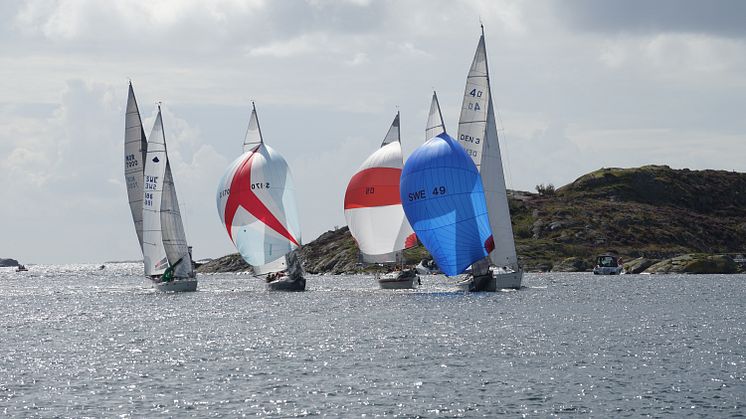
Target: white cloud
327,77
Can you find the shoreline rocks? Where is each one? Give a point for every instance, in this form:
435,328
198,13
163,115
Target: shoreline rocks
8,263
696,263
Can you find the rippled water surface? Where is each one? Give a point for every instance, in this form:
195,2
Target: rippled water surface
76,341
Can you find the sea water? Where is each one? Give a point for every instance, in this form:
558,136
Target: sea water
78,341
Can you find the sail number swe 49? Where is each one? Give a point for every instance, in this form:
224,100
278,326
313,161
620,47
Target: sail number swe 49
422,193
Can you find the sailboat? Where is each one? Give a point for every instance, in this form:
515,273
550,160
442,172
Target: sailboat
372,208
256,204
443,198
477,133
152,241
166,254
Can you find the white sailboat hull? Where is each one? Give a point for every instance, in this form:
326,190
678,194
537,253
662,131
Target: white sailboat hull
398,280
607,270
287,284
493,280
178,285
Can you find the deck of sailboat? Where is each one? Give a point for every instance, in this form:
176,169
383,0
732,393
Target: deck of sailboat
179,285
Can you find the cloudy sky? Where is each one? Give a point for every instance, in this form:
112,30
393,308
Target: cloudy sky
578,84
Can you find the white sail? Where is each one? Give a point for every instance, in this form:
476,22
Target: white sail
435,124
253,133
172,227
164,241
256,204
135,147
372,203
394,133
477,133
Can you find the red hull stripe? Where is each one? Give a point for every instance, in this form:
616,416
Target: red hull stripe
374,187
241,195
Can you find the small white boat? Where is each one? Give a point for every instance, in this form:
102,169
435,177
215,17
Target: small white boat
608,264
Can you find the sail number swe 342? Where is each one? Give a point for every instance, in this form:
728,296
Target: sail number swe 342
422,193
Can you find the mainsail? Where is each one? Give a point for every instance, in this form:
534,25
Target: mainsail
253,132
477,133
442,196
164,239
372,204
435,124
256,203
135,148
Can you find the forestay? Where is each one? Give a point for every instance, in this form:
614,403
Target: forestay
372,204
443,198
477,133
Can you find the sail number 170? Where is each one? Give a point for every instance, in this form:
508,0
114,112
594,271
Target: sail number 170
260,185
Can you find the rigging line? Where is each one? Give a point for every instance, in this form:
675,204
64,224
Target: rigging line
500,128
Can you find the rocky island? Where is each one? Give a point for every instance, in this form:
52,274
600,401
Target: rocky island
658,219
6,263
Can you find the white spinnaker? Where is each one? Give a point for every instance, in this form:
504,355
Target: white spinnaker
154,253
381,231
377,232
135,148
261,228
435,124
477,133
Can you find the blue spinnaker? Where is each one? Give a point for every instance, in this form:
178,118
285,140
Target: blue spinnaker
442,195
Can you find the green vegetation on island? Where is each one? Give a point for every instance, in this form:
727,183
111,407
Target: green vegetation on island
656,218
